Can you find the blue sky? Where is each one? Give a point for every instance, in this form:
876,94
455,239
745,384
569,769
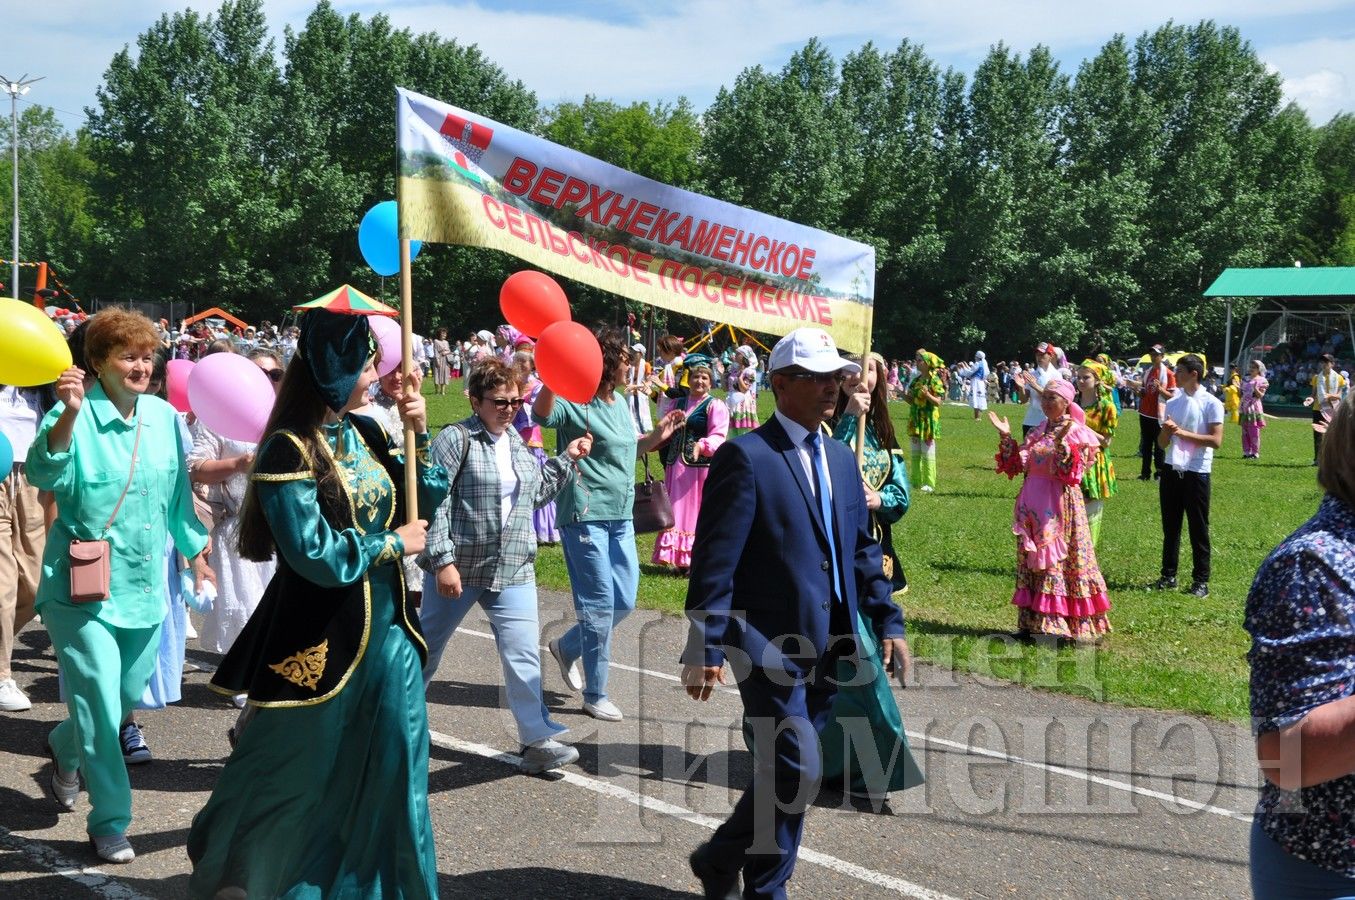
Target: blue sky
660,50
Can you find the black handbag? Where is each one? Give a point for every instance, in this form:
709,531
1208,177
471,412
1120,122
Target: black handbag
653,511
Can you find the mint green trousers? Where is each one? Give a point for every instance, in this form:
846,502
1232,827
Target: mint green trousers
106,670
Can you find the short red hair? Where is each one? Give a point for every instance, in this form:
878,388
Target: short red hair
115,329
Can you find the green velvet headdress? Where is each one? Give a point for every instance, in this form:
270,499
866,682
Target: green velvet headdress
336,348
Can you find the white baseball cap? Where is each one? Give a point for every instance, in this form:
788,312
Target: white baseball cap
638,348
811,349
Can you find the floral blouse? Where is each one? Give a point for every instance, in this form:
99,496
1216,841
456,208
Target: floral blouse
1301,616
1043,455
1250,406
924,417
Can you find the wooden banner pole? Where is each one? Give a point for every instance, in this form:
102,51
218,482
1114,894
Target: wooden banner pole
407,379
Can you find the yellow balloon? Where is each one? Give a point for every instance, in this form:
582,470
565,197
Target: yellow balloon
32,349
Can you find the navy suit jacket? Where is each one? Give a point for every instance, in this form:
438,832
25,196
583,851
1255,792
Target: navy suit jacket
761,581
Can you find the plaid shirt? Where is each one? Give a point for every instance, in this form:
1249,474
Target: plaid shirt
465,528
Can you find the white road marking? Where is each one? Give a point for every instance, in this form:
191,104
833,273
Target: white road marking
607,789
982,751
52,861
1086,776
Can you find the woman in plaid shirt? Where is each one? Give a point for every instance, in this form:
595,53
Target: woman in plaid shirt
482,549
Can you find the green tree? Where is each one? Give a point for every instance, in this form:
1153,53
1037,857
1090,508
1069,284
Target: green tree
658,142
775,142
1006,247
1234,177
183,139
895,104
1333,220
54,195
339,159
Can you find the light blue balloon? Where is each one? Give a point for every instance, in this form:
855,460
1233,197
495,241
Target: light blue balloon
6,456
379,239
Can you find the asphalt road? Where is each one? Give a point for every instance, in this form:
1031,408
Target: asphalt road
1028,794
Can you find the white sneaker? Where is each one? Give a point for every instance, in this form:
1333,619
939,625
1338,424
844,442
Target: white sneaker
571,672
604,709
12,699
927,489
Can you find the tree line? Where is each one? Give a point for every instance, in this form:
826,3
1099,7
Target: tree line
1019,204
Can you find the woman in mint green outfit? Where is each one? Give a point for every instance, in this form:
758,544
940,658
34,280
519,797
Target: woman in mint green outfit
865,749
83,453
326,792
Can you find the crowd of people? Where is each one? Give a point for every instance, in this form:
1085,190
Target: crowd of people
331,612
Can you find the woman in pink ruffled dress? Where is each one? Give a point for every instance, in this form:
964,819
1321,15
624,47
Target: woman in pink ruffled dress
687,456
524,370
1059,588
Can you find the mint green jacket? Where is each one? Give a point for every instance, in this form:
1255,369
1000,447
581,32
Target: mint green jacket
87,479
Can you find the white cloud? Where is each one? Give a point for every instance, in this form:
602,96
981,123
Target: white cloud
642,49
1319,75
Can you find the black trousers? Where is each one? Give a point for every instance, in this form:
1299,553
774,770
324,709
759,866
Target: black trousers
1149,429
1318,419
1185,493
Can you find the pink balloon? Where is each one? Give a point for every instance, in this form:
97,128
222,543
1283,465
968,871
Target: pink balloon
387,333
176,382
231,395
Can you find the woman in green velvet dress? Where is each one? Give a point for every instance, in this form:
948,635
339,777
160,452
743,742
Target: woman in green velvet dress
865,750
326,791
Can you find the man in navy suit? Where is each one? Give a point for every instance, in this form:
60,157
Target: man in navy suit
782,561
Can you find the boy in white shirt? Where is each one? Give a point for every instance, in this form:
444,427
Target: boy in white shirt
1191,432
1032,384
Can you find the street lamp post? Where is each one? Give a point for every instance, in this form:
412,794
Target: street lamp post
16,89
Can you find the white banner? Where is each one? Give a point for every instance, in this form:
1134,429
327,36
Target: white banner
465,179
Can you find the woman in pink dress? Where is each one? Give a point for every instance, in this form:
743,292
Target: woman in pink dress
1059,588
524,370
686,458
1251,413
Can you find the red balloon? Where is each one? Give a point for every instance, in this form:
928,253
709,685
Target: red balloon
569,361
532,302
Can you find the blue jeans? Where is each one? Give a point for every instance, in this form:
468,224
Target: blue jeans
1277,875
604,575
512,618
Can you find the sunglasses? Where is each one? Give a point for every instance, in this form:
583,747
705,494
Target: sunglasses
274,375
501,403
817,377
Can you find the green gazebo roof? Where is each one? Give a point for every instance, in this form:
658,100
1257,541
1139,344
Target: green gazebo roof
1319,281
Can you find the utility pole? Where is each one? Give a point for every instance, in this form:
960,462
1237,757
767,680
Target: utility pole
16,89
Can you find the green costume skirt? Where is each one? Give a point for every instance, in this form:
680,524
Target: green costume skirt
329,800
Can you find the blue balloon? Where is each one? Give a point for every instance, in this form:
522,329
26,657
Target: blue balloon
6,455
379,239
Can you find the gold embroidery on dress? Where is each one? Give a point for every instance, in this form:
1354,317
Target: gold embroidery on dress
368,483
304,668
389,550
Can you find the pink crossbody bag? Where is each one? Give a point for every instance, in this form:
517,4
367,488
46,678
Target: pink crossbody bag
90,569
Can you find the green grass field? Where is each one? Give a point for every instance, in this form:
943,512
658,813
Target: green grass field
1168,650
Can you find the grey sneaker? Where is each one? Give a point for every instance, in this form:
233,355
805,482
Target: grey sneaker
1199,589
112,848
65,785
546,755
571,672
12,699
